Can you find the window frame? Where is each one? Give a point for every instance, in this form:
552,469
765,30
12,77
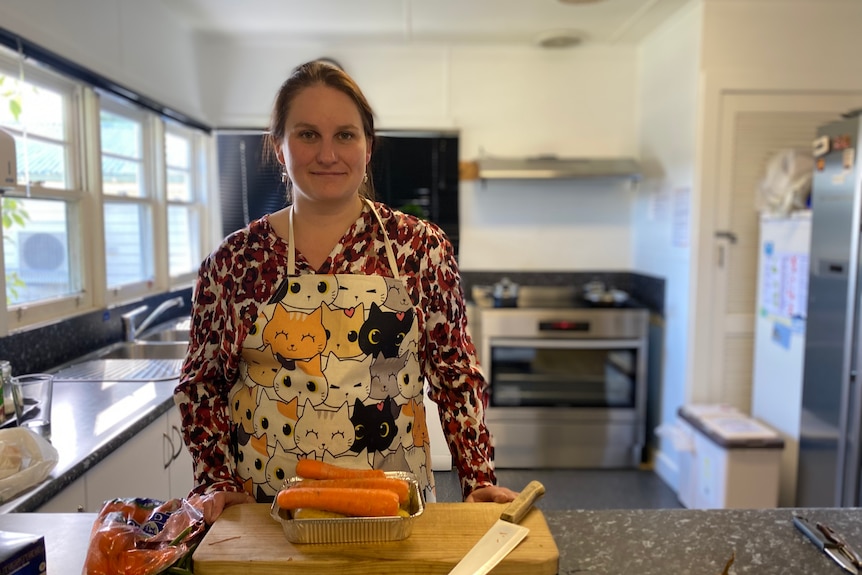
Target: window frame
75,194
85,198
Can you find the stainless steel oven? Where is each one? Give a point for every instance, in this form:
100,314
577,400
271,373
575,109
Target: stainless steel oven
568,384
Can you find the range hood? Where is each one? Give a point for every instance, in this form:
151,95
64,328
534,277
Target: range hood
556,168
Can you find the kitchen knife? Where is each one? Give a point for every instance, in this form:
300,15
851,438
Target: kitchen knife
502,537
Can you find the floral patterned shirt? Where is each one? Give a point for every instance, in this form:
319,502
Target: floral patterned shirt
245,270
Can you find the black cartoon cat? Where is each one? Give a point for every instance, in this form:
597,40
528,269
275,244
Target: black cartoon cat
383,332
374,425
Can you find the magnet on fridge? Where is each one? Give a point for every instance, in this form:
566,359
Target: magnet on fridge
848,156
820,147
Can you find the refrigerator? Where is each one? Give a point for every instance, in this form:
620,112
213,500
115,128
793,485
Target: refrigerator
829,446
779,335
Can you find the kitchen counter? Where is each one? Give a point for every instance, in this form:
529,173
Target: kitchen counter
642,542
89,420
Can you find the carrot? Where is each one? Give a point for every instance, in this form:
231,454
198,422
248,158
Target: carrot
313,469
345,500
398,486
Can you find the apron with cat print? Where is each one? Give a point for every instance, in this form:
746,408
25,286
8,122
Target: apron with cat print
330,371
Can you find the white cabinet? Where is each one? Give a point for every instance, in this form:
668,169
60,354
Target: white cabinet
181,467
71,499
154,463
136,469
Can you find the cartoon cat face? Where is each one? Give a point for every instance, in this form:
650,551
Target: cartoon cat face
374,425
310,291
295,335
243,402
259,365
409,378
324,431
348,380
302,381
383,332
281,465
384,376
276,420
361,290
417,435
251,461
342,330
397,298
254,337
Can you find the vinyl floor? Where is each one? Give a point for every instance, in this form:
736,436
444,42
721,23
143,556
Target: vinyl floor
579,488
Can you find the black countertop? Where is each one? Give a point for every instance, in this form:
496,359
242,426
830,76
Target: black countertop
89,420
636,542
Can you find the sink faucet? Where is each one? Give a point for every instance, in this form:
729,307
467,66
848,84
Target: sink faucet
129,318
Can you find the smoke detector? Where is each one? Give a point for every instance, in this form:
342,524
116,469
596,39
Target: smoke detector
559,39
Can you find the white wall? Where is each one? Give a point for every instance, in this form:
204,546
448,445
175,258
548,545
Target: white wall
758,47
505,101
135,44
667,84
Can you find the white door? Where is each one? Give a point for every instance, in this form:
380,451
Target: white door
753,128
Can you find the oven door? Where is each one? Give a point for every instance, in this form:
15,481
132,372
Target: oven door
538,372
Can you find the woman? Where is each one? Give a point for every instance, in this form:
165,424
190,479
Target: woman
314,328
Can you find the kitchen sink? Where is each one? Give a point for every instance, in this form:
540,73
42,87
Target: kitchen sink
145,350
129,361
169,331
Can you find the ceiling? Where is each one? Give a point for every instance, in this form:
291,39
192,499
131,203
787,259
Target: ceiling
598,22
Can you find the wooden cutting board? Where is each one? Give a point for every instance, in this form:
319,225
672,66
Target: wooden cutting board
246,540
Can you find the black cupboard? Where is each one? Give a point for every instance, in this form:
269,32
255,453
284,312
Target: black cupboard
416,172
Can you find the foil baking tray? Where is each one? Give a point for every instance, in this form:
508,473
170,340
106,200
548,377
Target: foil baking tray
351,529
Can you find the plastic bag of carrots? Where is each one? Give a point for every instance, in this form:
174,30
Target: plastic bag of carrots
139,536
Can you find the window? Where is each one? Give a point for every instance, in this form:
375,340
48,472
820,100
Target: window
185,215
133,179
41,214
129,194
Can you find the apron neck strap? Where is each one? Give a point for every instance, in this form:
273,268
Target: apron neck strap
390,254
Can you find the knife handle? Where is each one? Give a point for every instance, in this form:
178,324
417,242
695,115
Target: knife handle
515,511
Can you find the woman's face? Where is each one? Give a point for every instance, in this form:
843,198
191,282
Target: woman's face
324,149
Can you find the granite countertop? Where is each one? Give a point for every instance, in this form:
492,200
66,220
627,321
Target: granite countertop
619,542
89,420
683,541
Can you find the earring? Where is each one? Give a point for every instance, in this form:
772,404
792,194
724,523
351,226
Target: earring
284,177
365,179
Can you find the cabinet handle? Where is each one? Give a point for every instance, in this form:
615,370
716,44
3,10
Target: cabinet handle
170,450
180,442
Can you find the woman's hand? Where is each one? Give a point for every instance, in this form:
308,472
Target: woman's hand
491,494
215,503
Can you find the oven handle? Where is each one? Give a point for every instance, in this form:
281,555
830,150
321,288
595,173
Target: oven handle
549,343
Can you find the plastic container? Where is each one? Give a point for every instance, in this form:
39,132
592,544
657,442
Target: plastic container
734,461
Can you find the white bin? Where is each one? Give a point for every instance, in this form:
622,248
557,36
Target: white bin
733,461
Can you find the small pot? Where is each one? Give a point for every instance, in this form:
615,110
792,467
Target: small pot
505,293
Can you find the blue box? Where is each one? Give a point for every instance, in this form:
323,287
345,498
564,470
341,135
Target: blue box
22,554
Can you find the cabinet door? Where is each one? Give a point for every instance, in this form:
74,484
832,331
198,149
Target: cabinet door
73,498
181,469
138,468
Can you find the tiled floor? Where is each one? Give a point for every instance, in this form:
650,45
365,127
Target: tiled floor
579,488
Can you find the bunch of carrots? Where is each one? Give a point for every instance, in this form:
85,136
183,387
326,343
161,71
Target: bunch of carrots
349,492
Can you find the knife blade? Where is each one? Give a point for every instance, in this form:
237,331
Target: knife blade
827,547
503,536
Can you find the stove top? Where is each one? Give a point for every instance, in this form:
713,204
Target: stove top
547,297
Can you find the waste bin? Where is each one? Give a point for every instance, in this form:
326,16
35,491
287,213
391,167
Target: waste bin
733,461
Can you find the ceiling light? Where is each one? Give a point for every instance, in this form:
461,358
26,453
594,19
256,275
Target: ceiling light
579,1
559,39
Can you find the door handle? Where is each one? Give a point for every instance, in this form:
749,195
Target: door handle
726,235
